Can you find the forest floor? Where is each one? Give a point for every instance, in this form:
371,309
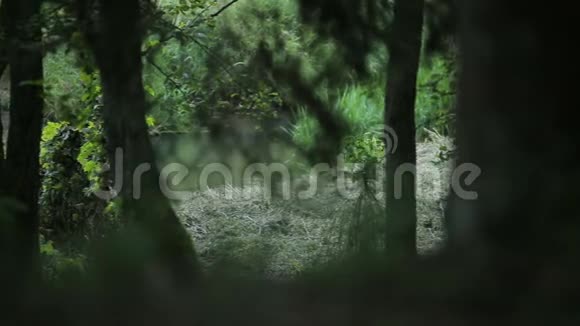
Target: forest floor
281,238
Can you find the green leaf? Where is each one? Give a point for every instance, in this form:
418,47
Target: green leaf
150,121
150,90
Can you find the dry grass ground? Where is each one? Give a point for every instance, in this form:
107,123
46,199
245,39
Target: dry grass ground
285,237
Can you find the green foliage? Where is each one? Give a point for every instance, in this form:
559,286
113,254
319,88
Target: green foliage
305,130
68,209
436,96
57,266
61,178
91,155
362,108
204,70
51,130
72,154
61,80
365,148
208,77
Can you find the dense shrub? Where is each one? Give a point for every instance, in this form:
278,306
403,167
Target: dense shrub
72,156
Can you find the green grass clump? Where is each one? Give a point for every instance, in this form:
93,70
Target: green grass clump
361,106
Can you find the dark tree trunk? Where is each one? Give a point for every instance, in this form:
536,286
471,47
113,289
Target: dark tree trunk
514,123
404,55
117,47
22,176
1,148
3,65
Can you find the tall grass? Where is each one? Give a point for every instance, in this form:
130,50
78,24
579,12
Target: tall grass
435,96
361,106
305,130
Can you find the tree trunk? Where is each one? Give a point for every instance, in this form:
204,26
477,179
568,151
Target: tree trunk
514,123
117,48
22,170
404,55
1,148
3,65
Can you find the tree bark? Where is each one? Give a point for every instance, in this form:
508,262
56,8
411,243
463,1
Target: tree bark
22,170
514,106
404,54
1,148
117,48
3,65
